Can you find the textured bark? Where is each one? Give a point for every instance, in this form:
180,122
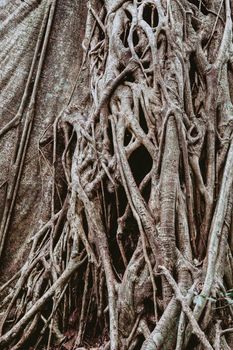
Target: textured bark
117,171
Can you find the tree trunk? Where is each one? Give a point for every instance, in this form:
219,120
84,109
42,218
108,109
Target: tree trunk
117,171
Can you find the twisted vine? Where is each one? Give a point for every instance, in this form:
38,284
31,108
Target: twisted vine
139,254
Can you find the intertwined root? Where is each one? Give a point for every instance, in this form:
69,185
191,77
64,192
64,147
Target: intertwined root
143,241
